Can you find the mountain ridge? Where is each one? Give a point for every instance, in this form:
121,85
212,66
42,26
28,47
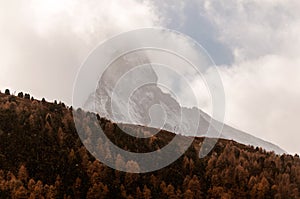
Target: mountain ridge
129,92
188,119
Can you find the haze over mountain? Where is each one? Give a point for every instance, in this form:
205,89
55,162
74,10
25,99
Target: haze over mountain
137,98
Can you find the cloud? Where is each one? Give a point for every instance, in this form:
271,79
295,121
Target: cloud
262,85
190,18
254,28
263,98
43,43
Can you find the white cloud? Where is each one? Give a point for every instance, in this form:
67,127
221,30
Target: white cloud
256,28
262,85
43,43
263,98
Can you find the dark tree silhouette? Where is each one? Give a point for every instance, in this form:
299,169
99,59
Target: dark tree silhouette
7,92
20,94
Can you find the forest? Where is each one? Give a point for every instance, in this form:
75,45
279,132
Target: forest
42,156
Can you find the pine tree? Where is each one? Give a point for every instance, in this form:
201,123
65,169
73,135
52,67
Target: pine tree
146,192
20,193
194,186
7,92
23,174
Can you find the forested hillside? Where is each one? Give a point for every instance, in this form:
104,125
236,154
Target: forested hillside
42,156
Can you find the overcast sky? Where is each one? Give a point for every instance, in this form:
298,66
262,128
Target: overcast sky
256,45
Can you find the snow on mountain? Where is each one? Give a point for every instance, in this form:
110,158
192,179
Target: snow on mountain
137,99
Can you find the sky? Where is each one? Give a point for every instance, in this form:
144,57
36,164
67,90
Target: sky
255,45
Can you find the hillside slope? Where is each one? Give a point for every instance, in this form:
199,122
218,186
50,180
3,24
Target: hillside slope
41,155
